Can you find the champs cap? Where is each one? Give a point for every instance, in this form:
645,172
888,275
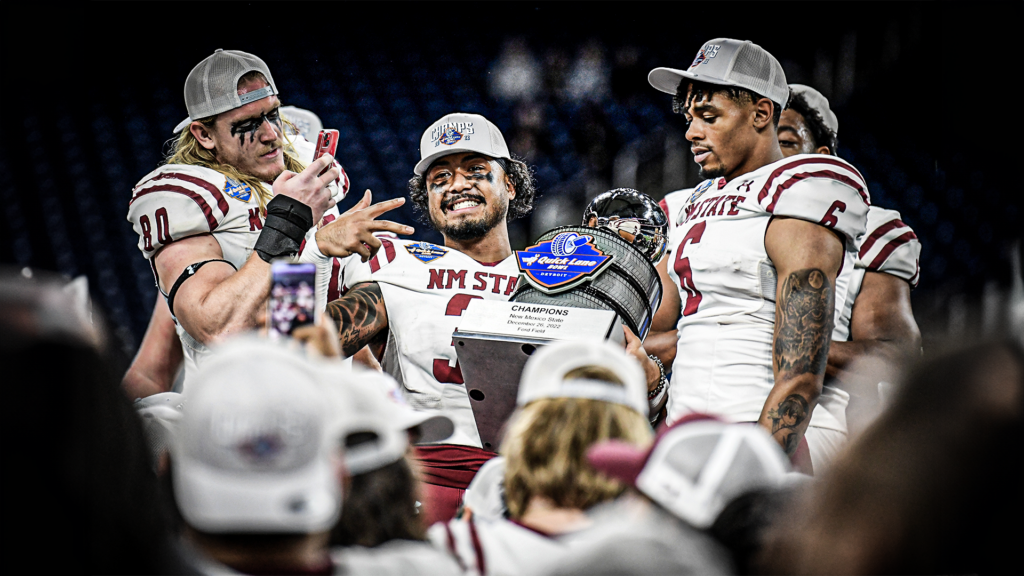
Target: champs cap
729,62
212,86
819,104
696,467
460,132
544,375
257,450
376,432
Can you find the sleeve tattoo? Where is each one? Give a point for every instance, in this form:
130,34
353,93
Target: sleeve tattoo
360,315
802,329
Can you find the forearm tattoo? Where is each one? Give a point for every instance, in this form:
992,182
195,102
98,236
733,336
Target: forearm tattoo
360,315
803,325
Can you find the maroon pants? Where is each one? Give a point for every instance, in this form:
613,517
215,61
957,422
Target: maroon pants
447,470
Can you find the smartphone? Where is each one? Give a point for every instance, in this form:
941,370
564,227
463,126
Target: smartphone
326,143
292,297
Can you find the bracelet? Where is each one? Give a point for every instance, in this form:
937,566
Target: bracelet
662,380
284,229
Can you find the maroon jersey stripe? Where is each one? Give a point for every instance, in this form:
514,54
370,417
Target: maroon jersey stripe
332,287
207,211
888,248
819,174
389,249
374,264
878,233
222,204
477,548
824,160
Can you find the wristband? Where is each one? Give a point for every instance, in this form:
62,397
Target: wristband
286,225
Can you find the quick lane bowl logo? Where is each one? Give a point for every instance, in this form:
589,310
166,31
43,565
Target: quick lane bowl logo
425,252
706,53
449,134
237,190
562,263
701,189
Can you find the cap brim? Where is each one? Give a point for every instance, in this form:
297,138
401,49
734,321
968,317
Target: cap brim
618,459
432,427
667,79
181,125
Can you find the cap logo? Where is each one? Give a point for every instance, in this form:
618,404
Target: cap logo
562,263
706,53
451,132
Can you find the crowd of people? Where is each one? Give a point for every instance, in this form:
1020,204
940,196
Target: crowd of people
716,444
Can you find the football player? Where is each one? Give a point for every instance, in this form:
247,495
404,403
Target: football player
757,249
202,215
876,316
406,301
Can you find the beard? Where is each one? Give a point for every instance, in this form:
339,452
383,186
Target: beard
473,229
709,173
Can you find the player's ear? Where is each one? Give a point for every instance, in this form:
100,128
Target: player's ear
823,150
202,135
763,111
510,186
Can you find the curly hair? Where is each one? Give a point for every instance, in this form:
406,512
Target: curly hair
680,100
823,135
523,182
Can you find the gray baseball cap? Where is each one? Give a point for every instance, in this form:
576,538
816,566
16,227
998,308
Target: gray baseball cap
212,86
819,104
729,62
460,132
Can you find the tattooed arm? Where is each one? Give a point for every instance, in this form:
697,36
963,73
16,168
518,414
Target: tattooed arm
806,257
361,316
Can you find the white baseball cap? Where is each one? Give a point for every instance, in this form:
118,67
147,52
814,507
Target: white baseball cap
697,466
729,62
212,86
460,132
544,374
257,448
819,104
485,495
376,432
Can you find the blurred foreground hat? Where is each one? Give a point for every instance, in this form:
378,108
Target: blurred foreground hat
545,371
485,495
729,62
697,466
818,103
460,132
376,431
257,446
212,86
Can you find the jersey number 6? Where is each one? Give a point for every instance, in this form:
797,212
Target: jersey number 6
682,268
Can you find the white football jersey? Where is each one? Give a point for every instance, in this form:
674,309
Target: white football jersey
176,201
426,288
727,283
496,546
889,246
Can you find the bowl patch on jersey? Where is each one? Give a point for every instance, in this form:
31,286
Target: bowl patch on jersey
237,190
562,263
425,252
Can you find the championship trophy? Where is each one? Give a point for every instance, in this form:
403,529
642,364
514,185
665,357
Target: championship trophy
576,283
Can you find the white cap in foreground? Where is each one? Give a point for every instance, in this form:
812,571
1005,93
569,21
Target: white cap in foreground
257,447
545,371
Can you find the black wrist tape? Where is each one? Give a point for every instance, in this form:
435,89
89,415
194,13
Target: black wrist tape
286,225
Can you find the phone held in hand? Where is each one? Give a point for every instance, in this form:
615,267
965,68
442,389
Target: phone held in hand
326,143
292,297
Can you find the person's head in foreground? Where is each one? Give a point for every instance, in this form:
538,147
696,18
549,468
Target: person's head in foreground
732,96
928,488
467,185
382,491
256,461
571,395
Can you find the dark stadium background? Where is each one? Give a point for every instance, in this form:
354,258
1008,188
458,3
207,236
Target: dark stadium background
923,92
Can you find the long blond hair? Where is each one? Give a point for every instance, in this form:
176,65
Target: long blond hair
545,448
187,150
